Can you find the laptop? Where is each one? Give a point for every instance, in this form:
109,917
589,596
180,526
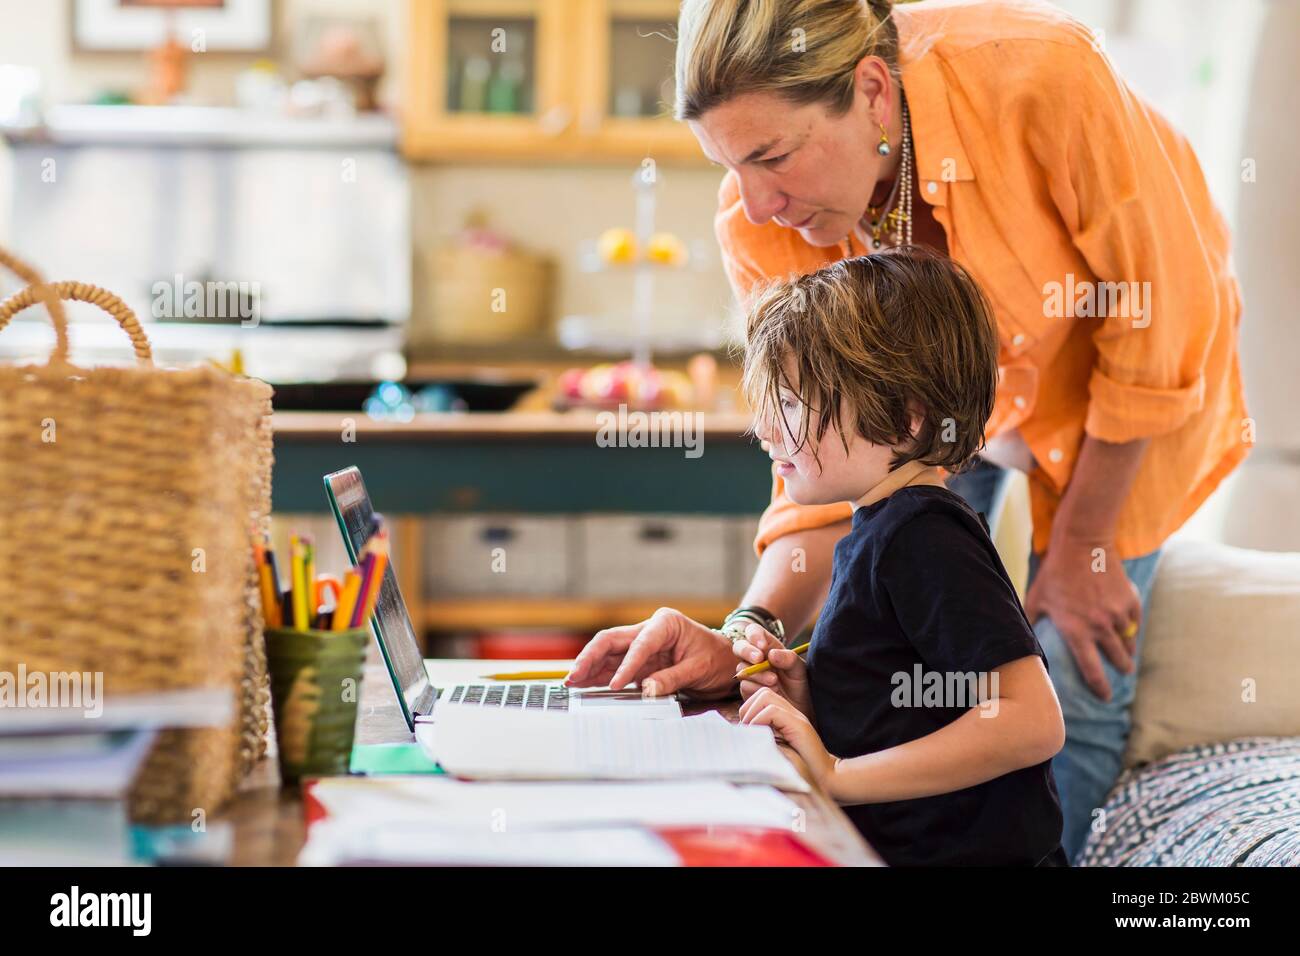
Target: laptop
397,641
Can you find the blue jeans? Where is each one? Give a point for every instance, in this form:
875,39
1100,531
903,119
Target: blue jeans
1096,731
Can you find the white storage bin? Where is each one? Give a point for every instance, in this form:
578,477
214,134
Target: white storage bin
479,555
660,557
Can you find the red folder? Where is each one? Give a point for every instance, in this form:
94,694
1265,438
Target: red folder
740,846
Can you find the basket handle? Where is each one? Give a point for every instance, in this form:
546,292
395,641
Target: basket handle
79,292
52,303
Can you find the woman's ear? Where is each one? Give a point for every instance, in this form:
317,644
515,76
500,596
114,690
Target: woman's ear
871,78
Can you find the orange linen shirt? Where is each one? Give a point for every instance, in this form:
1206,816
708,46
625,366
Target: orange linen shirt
1048,175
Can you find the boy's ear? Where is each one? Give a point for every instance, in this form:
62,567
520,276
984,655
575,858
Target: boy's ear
915,418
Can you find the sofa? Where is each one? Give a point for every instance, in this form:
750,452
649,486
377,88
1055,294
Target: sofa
1212,769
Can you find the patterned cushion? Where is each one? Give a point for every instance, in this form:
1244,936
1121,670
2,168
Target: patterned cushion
1233,804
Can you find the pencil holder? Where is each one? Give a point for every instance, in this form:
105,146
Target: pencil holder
315,684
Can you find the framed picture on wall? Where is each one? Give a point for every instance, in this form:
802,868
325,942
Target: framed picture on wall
229,26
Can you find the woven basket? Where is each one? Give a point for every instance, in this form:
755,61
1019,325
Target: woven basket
130,495
465,308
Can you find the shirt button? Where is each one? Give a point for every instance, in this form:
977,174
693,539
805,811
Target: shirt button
1055,455
932,187
1019,401
1018,339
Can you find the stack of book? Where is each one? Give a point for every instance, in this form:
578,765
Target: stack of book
66,771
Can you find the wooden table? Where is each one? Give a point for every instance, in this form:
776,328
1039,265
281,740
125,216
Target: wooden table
268,824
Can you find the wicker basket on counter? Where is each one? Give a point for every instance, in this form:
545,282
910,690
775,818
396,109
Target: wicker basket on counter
130,497
479,296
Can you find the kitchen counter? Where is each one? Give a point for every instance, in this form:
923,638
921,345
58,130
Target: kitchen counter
577,424
522,462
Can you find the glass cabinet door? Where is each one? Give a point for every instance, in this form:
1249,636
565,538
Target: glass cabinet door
487,77
625,94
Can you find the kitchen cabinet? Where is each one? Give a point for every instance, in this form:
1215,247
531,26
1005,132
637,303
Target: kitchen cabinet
560,80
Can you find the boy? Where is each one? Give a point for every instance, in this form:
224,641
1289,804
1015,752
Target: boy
924,705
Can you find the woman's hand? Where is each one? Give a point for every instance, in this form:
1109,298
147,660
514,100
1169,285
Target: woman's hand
769,708
1096,611
665,653
788,675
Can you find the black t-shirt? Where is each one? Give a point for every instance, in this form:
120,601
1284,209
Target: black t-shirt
918,596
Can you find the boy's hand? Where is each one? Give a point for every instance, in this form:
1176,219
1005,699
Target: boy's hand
767,707
788,675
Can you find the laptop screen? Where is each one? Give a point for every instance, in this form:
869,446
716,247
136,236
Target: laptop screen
391,622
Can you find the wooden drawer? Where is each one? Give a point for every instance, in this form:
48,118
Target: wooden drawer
478,555
655,556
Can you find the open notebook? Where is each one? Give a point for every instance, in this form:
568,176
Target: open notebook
492,744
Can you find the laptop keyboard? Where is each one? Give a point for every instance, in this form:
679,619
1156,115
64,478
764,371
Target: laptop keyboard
526,696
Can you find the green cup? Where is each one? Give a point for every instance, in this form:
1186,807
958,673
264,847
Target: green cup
315,685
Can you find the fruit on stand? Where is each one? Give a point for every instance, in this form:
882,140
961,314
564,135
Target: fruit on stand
666,249
617,246
628,383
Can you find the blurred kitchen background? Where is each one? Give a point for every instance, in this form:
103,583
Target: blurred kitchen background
360,178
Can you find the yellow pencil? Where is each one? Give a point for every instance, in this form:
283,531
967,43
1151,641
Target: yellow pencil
527,675
270,606
299,584
309,575
765,665
347,601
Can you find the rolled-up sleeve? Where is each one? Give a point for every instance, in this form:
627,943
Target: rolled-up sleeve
1118,190
784,517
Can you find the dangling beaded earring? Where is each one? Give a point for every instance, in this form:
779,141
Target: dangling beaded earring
883,146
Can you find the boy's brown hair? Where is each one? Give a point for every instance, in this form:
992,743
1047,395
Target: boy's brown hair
879,338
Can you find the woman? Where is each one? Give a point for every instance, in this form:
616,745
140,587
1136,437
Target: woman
998,134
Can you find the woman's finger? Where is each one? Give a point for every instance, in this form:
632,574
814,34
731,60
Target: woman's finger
1084,650
1116,651
597,662
652,635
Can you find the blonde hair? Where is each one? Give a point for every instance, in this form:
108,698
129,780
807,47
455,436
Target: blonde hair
805,50
877,342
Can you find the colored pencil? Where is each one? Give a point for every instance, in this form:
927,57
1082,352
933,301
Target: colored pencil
347,601
299,584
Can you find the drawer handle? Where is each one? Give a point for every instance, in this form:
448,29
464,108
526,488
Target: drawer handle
655,532
498,533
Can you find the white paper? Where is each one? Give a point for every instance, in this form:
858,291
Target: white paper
485,806
195,707
332,843
103,768
495,744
